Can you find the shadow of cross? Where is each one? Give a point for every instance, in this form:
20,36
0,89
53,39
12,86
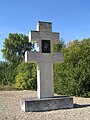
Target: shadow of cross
45,58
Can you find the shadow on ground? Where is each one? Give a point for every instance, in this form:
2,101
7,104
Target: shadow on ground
80,106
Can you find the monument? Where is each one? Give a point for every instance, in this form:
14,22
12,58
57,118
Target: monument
45,57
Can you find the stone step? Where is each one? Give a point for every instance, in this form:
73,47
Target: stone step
46,104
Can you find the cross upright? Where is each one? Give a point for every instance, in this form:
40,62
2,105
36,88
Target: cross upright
44,58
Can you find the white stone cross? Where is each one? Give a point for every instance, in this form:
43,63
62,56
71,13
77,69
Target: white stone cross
45,58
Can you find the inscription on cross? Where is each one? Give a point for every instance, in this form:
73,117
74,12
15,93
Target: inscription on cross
44,58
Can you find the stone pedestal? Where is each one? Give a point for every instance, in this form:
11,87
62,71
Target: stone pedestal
46,104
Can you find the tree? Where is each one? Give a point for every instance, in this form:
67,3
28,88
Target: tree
14,53
26,76
3,67
73,76
58,47
7,73
15,46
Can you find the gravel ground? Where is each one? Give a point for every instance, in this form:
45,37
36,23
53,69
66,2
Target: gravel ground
10,108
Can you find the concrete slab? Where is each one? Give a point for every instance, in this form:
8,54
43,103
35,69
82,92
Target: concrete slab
46,104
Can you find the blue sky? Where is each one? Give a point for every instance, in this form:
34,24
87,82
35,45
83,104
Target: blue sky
71,18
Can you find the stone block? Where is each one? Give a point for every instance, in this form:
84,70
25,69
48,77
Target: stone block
34,57
46,104
44,26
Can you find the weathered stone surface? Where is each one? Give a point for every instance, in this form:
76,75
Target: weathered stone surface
34,57
46,104
44,80
44,32
44,26
45,57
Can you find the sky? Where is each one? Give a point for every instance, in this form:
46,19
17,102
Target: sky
71,18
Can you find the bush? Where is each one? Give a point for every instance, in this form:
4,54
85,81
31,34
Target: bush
26,77
72,77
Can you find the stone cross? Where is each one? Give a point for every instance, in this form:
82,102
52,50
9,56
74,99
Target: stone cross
44,58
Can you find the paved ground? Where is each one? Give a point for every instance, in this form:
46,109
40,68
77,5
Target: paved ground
10,108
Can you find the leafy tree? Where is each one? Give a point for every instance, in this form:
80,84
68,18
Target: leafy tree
26,77
58,47
73,76
2,72
7,73
13,51
15,46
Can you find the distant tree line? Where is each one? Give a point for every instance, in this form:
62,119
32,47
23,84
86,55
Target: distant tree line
72,77
14,71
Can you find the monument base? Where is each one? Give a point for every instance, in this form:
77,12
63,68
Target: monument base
46,104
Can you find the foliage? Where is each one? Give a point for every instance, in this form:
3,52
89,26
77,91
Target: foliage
7,73
13,51
15,46
26,77
8,87
58,47
73,76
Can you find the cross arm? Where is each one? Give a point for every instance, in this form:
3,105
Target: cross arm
34,57
55,37
34,36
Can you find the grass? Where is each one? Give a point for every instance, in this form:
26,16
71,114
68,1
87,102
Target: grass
8,87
